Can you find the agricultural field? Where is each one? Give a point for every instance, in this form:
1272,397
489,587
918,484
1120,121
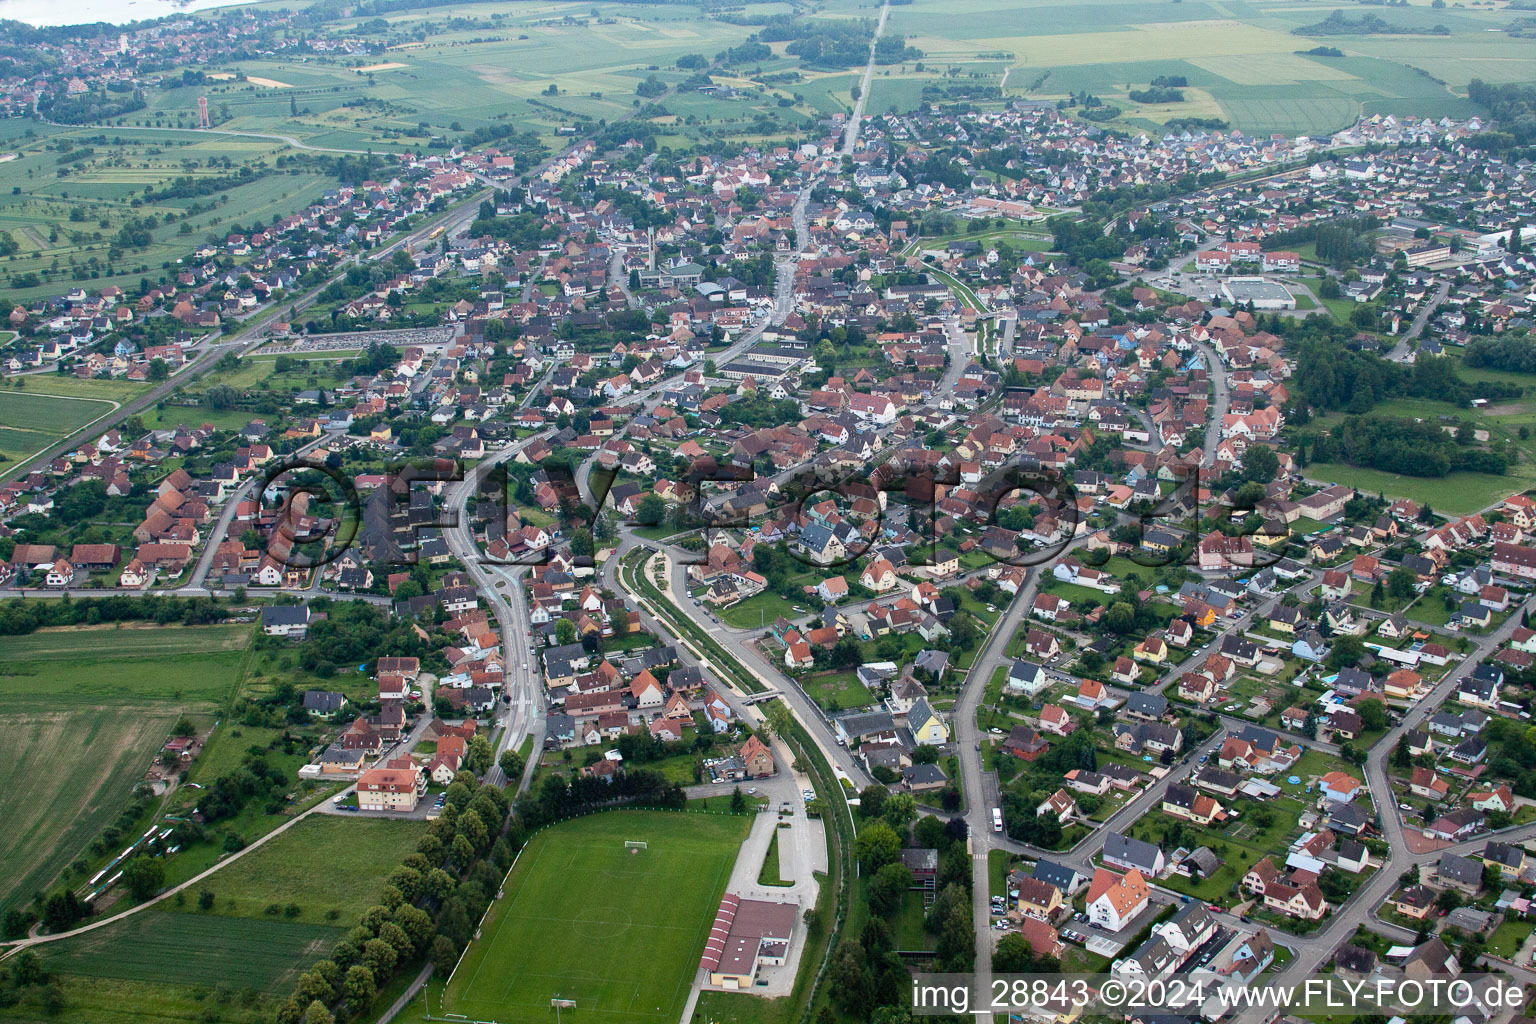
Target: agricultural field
68,386
112,1001
267,954
1242,61
30,422
451,70
258,373
185,667
1455,494
112,696
68,775
324,863
70,192
639,919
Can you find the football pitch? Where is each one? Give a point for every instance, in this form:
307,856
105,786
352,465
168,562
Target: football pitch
583,919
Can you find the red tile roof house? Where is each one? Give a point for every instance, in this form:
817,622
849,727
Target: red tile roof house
388,789
1054,719
1025,743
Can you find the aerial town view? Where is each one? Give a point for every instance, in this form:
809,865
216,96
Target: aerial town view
768,511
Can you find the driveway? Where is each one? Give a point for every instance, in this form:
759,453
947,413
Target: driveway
802,853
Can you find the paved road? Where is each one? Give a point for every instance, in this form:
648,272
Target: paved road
405,998
194,584
650,621
981,788
616,276
1222,402
256,844
1313,950
242,338
502,587
1005,343
739,646
1404,346
980,796
851,137
217,533
801,221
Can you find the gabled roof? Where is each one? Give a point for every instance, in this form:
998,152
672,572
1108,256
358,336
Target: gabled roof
1126,850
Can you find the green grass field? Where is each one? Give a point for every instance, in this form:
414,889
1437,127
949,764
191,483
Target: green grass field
65,216
841,688
620,934
112,1001
67,776
1458,493
1241,61
67,386
760,610
111,697
323,863
195,949
181,665
32,422
771,872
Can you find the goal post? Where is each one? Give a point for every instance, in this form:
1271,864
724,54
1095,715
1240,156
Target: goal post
634,845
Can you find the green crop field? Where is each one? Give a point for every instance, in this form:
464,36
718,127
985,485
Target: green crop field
1457,493
66,777
112,1001
67,386
323,863
111,697
48,413
195,949
31,422
1242,61
64,213
621,934
478,65
185,666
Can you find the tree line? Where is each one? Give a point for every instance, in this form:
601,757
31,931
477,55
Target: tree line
19,616
1397,444
1515,351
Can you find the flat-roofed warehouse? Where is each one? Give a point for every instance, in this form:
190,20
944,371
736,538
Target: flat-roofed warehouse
1261,291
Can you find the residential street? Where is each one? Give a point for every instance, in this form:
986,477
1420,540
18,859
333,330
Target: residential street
1314,949
1401,350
